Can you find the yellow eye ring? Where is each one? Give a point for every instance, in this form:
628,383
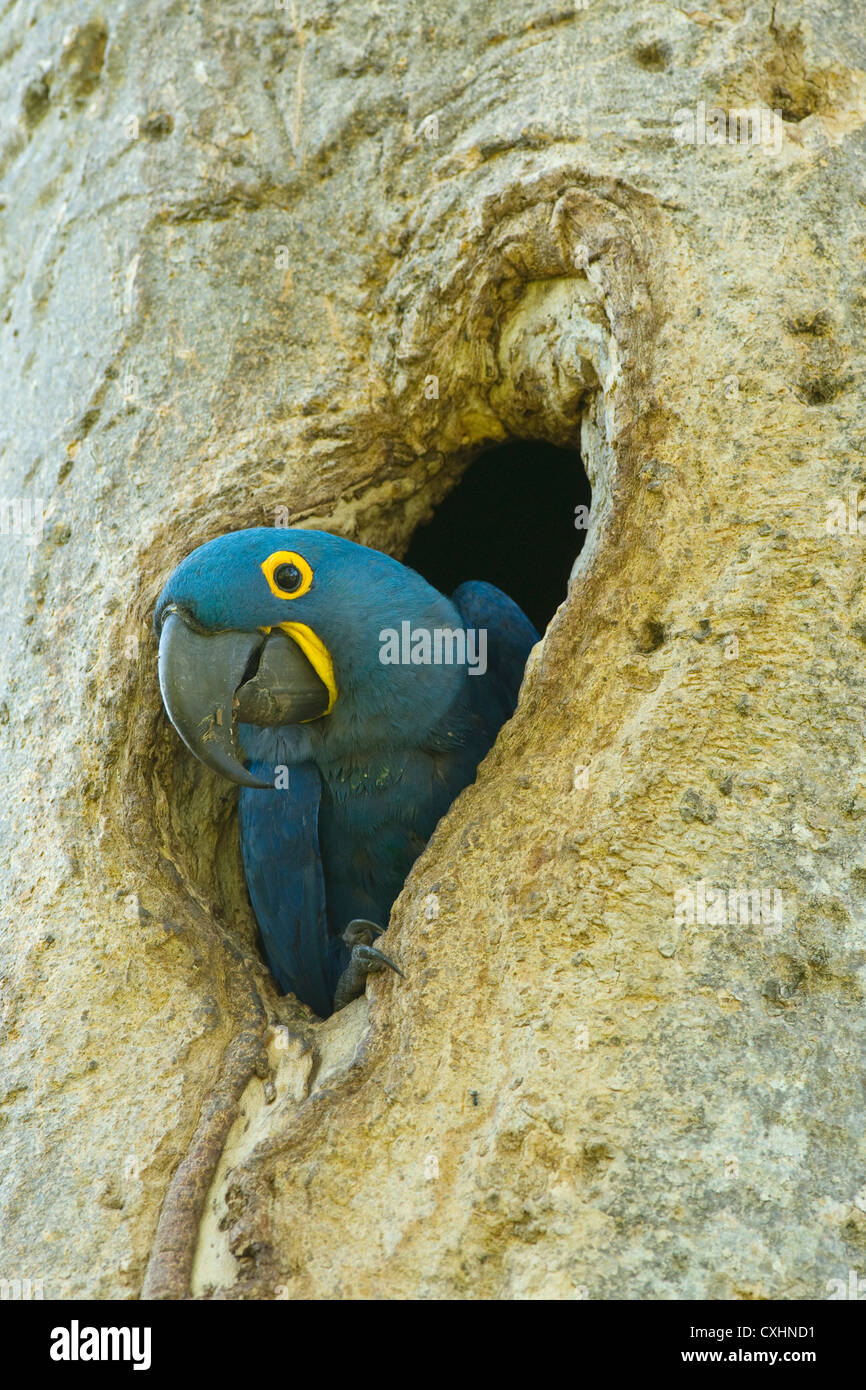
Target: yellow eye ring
287,573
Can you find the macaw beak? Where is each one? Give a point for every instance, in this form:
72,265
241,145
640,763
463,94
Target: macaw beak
212,681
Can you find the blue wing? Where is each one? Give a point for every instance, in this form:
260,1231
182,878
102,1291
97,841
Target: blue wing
376,818
279,834
510,638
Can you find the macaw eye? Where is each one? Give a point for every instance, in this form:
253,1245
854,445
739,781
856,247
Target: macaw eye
288,577
287,573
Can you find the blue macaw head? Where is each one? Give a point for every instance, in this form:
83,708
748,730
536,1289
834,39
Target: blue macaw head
278,627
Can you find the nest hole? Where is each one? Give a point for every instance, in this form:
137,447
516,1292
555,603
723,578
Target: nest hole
517,518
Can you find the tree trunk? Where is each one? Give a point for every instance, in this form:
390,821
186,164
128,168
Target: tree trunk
298,265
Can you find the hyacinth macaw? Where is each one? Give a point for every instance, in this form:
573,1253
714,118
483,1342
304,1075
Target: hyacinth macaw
352,702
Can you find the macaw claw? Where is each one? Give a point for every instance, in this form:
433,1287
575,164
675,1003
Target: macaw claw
365,960
362,932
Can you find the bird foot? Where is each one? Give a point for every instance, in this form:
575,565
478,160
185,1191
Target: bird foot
365,960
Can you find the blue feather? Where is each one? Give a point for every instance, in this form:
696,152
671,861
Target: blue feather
280,846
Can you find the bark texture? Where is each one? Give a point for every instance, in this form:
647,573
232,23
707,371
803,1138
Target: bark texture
299,265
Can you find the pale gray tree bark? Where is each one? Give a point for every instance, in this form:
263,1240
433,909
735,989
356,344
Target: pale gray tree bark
302,262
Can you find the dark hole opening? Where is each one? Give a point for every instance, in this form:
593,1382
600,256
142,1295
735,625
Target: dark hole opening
512,520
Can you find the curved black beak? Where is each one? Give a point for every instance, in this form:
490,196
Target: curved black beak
211,681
